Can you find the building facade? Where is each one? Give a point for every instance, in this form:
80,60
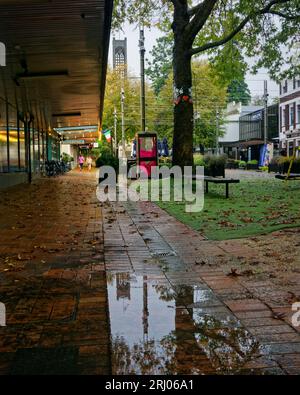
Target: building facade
229,142
252,129
289,109
26,142
52,77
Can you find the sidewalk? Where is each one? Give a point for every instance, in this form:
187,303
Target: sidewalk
228,319
52,279
124,288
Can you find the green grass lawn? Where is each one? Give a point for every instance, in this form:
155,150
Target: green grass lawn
255,206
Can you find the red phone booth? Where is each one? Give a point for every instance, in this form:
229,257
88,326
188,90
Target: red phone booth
146,152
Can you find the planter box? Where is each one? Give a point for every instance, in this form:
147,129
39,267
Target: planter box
275,168
215,171
251,166
295,167
232,166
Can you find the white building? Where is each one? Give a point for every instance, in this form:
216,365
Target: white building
231,127
289,128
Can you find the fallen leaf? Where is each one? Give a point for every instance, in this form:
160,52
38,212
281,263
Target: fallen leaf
233,273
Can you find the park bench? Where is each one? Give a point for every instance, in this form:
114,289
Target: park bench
288,177
216,180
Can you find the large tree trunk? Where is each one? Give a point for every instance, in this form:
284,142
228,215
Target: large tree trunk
183,106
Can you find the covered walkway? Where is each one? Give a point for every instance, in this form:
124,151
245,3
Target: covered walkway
53,81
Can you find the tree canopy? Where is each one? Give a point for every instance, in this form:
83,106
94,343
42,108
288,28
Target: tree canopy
266,29
131,86
160,66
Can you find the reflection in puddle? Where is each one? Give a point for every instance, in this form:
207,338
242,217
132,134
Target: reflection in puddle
159,330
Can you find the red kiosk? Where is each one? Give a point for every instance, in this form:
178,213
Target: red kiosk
146,152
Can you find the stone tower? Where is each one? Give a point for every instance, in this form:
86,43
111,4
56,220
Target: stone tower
120,56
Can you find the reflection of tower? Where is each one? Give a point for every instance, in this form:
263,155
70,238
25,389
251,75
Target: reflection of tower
123,286
120,56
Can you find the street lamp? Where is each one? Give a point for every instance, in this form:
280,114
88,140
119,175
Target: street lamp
123,121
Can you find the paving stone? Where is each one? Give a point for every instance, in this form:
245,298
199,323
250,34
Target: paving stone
62,282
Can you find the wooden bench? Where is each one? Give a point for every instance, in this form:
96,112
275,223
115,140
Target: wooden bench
291,177
215,180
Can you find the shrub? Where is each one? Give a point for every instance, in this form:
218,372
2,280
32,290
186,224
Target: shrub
215,160
66,157
253,162
242,164
198,160
264,168
214,165
275,160
284,164
165,160
107,159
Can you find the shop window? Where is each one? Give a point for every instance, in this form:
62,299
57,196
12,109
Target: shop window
292,115
22,147
3,138
36,151
13,139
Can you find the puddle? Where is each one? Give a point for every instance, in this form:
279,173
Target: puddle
157,329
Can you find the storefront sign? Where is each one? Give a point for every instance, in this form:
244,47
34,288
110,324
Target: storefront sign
73,142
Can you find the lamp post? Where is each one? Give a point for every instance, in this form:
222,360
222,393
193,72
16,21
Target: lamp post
123,120
142,60
217,130
115,130
265,112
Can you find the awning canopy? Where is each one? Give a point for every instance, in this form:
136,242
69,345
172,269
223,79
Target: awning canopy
243,144
56,59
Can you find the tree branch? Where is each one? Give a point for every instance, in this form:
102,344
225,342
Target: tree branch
201,15
285,16
192,11
175,2
214,44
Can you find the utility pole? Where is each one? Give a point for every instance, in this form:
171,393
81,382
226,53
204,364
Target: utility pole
265,111
217,131
123,121
115,130
142,58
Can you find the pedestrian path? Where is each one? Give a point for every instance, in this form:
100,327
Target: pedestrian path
124,288
174,310
52,279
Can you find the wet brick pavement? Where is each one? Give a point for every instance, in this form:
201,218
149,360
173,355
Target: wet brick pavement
160,270
94,288
52,279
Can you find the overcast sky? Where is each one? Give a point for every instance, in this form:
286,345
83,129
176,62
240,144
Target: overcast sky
255,82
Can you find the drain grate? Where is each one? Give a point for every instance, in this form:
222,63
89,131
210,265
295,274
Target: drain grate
163,254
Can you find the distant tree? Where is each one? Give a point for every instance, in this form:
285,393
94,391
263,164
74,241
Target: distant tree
131,86
261,26
258,101
158,69
238,91
209,101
